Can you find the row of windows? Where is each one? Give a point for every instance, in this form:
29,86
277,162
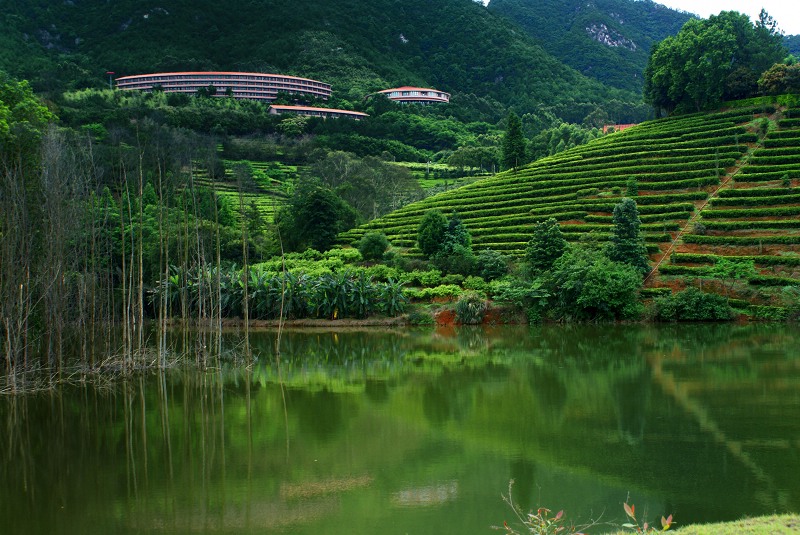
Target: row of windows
272,88
292,80
415,94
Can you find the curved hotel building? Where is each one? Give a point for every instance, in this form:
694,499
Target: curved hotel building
242,85
418,95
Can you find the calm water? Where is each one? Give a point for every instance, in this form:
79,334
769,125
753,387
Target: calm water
418,432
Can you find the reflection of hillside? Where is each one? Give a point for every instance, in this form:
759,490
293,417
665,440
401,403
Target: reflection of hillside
706,418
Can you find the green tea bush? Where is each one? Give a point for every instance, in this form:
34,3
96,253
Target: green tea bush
477,284
373,245
742,240
431,277
491,264
442,291
692,305
347,256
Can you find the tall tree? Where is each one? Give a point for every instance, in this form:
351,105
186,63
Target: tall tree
627,243
513,143
545,246
431,232
313,217
711,60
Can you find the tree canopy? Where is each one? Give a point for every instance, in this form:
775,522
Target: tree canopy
711,60
627,243
513,143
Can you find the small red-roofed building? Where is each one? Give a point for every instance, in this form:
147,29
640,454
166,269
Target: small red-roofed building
616,127
309,111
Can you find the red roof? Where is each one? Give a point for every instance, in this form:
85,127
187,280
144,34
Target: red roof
411,88
311,108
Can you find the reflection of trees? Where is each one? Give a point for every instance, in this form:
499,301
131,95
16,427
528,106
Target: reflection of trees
523,472
376,391
589,347
319,414
436,404
548,387
631,397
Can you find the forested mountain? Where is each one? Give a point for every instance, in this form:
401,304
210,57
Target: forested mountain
456,45
792,43
608,40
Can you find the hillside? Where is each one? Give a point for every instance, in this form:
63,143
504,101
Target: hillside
608,40
707,186
455,45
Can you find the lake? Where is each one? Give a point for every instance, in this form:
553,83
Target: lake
417,431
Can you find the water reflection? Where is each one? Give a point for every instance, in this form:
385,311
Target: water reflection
418,431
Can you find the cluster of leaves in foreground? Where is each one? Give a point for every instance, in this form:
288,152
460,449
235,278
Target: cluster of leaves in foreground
544,522
275,295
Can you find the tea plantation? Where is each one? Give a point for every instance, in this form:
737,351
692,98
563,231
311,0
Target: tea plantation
707,185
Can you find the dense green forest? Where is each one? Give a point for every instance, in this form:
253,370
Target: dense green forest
455,45
608,40
119,206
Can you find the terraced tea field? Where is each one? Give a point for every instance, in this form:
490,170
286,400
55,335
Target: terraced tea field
267,186
754,218
710,183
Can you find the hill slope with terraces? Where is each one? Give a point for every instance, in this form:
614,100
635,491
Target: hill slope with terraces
707,185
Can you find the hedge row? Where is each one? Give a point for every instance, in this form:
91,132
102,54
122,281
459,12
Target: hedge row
650,218
671,198
780,151
654,292
644,158
760,260
751,225
623,148
671,269
770,280
755,212
679,184
665,208
756,201
759,280
771,168
789,142
603,170
789,123
756,192
774,160
754,175
741,240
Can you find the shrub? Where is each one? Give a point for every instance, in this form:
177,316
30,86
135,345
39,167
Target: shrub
456,259
530,296
373,245
475,283
692,305
545,246
347,256
441,291
586,285
421,317
431,232
627,243
471,308
491,264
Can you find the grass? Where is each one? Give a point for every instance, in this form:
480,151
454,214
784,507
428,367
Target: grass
763,525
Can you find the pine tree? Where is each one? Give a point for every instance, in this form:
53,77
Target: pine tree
627,243
513,143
